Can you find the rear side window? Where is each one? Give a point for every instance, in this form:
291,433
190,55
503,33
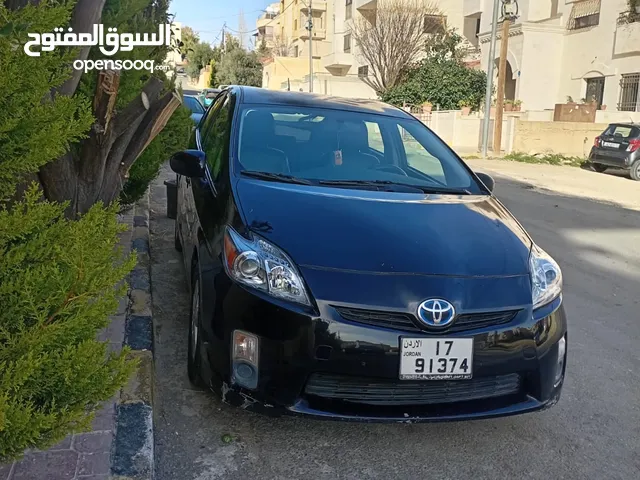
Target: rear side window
215,133
622,131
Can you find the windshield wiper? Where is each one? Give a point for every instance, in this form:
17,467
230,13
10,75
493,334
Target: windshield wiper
379,183
278,177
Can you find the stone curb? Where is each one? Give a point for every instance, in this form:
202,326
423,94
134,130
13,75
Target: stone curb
133,453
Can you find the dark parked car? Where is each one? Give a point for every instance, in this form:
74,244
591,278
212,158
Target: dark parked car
618,147
197,109
345,263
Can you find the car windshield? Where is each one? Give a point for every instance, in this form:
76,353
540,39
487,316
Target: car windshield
350,149
193,104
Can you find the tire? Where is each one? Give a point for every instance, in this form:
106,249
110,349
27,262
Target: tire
598,167
635,171
193,353
176,238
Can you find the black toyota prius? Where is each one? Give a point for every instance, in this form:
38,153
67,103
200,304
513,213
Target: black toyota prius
343,262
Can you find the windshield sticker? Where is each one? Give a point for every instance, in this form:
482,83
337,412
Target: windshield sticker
337,155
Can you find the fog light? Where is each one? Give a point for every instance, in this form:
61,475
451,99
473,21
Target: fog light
244,359
562,353
245,347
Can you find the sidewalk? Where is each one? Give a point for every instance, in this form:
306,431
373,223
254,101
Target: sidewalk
611,187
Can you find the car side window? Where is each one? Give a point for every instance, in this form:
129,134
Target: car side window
214,135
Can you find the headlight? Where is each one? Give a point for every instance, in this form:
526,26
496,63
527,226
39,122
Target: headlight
546,277
259,264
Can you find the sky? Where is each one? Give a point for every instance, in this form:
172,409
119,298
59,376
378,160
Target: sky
208,16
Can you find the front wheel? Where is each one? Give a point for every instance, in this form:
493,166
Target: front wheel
598,167
193,354
635,171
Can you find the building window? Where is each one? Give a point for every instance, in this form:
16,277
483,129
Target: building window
363,71
595,90
585,13
296,51
629,93
434,24
348,10
347,43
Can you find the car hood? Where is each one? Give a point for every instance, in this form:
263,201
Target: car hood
196,117
382,232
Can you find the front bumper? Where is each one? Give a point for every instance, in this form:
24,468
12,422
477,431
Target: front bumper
297,344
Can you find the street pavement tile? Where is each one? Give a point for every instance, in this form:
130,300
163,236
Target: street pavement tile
93,442
58,465
94,464
5,470
105,417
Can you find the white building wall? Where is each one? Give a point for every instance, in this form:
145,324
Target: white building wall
588,53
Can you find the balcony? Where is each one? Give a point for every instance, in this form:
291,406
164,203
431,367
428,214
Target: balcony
317,6
337,60
266,19
471,7
627,35
365,4
318,33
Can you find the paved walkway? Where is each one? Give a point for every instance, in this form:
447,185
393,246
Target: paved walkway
85,456
611,187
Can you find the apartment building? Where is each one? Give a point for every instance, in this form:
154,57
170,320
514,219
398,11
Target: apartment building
557,48
568,48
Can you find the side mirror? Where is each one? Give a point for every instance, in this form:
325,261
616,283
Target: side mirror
188,163
488,180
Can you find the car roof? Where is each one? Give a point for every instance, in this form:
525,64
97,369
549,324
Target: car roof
626,124
255,95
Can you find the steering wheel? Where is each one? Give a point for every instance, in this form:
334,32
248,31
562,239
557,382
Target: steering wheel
390,169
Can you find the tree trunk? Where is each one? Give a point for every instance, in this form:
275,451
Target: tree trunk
96,169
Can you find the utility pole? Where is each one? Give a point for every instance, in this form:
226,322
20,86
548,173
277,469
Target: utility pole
310,27
224,38
502,74
487,101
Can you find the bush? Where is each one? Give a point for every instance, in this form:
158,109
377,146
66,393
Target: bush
58,287
58,278
174,137
546,158
443,82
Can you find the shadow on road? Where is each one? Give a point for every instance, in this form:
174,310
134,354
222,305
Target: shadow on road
592,433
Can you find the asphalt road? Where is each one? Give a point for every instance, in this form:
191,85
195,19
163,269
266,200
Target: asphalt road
593,432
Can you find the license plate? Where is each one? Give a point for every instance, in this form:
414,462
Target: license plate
611,144
436,358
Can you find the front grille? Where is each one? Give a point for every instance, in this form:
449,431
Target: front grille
408,323
397,393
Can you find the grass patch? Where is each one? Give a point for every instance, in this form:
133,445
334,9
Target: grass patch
471,157
546,158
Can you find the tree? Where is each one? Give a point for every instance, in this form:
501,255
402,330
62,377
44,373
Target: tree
391,39
282,46
130,107
200,57
440,77
213,75
58,278
239,67
189,41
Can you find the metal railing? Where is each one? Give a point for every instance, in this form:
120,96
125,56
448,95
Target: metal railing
629,93
628,17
